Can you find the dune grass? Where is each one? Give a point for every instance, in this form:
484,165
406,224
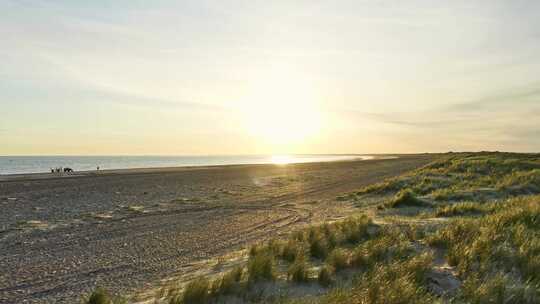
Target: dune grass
102,296
261,267
325,276
354,229
299,271
499,249
196,292
406,198
463,176
463,209
395,282
338,259
229,283
291,250
391,244
520,182
318,248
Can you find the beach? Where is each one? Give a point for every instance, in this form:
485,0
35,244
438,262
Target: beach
61,236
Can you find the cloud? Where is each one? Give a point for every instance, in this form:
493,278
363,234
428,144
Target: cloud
504,121
115,97
505,108
513,96
416,119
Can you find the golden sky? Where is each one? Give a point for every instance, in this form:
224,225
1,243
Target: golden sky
268,77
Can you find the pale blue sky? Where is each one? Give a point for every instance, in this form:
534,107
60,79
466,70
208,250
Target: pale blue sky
243,77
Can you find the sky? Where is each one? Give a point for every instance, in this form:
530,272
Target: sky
268,77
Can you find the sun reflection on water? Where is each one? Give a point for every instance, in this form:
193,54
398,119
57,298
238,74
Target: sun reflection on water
281,159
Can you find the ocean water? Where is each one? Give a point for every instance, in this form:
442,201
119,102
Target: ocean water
38,164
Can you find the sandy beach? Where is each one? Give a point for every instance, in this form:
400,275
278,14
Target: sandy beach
60,236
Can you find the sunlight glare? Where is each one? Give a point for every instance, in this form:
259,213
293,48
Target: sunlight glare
282,109
281,159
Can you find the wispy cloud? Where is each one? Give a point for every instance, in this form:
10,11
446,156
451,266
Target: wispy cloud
416,119
507,121
114,97
514,96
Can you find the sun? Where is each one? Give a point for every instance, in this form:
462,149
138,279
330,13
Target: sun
281,122
283,111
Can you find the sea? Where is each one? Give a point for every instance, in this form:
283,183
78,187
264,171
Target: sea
41,164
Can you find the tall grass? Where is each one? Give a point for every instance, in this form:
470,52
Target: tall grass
196,292
261,268
464,175
102,296
325,276
390,245
521,182
406,198
229,283
291,250
299,271
398,282
338,259
318,248
354,229
463,208
506,242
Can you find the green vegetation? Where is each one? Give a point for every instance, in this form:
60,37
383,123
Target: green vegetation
338,259
463,208
497,255
101,296
521,182
391,283
406,198
324,277
197,291
299,272
354,229
468,176
229,284
261,267
318,248
391,244
291,250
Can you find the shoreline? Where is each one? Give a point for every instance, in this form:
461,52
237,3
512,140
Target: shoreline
126,230
150,170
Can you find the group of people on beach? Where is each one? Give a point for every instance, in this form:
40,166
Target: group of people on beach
61,169
66,170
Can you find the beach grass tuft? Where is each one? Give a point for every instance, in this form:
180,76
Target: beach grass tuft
338,259
406,198
298,271
325,276
102,296
196,292
261,267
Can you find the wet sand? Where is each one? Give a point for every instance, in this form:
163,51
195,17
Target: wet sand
60,236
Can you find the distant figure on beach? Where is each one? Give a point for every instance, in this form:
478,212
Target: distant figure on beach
68,170
97,168
52,170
